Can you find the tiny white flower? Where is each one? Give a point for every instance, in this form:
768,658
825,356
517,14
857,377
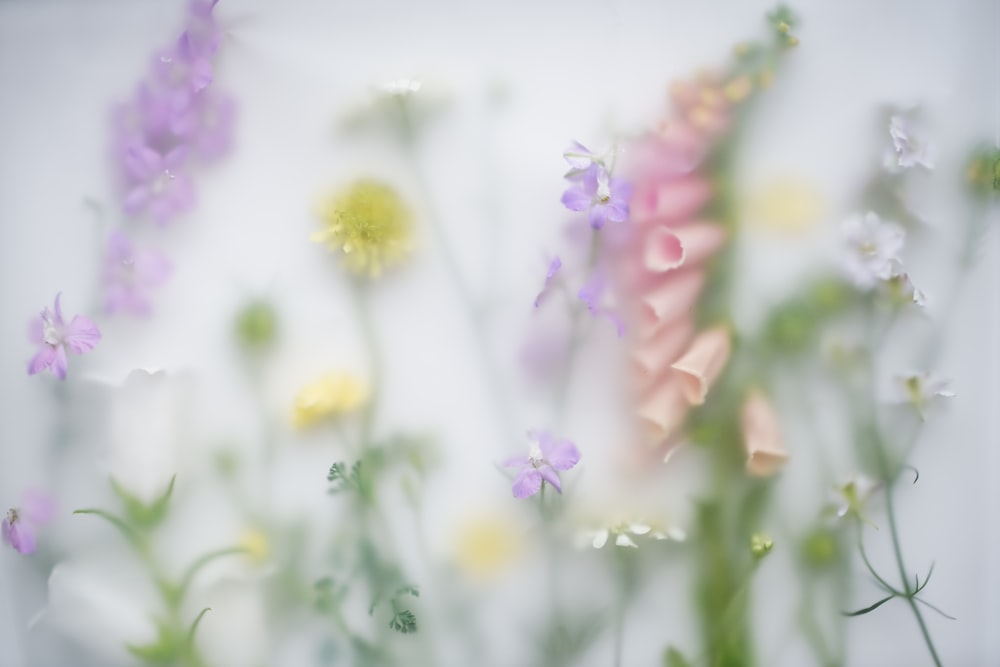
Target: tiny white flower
623,533
851,496
908,148
919,389
902,290
400,87
872,249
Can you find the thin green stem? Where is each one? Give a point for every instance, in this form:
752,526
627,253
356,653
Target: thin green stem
362,306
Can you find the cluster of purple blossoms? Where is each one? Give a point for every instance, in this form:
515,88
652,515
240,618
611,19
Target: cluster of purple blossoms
173,119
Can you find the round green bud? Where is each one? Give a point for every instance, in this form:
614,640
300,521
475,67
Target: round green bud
257,324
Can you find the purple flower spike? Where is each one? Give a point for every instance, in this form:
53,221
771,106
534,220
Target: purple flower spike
185,69
546,456
605,198
129,275
592,294
550,276
20,524
53,336
158,185
207,124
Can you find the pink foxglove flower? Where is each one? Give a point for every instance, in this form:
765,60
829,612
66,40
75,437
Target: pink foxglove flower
21,523
129,275
702,364
54,337
548,455
762,439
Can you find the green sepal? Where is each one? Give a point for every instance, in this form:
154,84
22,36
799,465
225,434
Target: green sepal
674,658
139,514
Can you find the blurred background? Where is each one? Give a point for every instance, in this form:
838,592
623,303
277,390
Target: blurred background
516,82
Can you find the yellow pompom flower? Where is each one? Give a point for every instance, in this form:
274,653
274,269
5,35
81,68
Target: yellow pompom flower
485,545
369,224
332,395
255,544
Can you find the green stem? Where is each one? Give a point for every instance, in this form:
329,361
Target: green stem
473,311
362,307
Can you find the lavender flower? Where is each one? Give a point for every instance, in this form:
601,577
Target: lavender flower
872,249
20,523
594,190
53,336
908,150
182,71
592,294
546,456
159,186
129,274
580,157
550,277
207,124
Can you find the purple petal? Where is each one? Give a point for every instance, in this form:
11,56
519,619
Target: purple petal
516,462
201,74
42,359
598,216
561,453
19,536
551,476
36,331
142,162
583,157
81,335
152,268
119,247
575,199
136,200
527,483
59,362
58,321
37,506
616,210
175,158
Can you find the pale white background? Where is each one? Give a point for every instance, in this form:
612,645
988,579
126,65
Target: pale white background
568,70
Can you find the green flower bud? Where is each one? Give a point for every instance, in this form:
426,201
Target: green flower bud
257,324
760,545
983,171
820,548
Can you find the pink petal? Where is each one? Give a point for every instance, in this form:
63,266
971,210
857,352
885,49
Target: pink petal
701,240
36,331
654,355
675,201
673,297
42,359
664,250
703,363
762,436
663,410
81,335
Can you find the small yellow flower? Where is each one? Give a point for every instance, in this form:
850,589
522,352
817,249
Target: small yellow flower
785,206
369,224
485,545
332,395
254,543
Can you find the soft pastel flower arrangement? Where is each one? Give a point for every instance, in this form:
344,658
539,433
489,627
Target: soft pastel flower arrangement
650,263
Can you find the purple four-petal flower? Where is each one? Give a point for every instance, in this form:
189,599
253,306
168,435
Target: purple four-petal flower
130,273
547,456
595,190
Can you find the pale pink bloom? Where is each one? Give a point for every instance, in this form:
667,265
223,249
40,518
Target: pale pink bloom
762,436
702,364
662,410
673,297
669,248
671,202
655,355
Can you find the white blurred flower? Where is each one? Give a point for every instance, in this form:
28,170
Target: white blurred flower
908,148
852,495
872,249
623,532
105,611
919,389
146,428
399,87
901,288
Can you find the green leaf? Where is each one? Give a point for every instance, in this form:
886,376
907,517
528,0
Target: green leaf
674,658
870,608
140,514
165,650
194,627
115,521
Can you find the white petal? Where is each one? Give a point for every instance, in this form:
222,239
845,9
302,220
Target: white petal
624,540
639,529
600,539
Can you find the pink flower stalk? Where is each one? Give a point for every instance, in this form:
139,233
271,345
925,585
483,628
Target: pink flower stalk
662,274
53,336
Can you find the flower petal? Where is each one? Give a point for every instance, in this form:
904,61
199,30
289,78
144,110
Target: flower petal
702,363
42,359
81,335
37,506
59,362
527,483
551,476
762,436
561,453
575,199
20,536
